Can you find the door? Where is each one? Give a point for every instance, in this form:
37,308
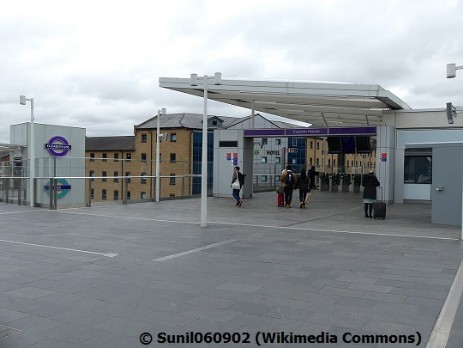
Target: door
446,188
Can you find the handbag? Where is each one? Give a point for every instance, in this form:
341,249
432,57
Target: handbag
308,198
236,185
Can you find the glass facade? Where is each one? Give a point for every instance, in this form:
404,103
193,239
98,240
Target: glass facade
297,159
197,161
418,169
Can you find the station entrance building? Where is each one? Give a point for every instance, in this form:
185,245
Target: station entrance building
418,152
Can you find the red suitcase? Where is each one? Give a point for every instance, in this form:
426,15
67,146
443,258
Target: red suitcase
281,199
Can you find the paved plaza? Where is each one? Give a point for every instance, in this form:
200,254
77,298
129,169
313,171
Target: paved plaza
115,275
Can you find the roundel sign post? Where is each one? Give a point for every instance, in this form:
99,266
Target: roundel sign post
58,146
62,188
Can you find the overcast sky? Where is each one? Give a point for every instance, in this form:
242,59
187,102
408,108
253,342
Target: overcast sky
96,64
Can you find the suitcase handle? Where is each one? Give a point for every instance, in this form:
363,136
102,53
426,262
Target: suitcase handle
381,191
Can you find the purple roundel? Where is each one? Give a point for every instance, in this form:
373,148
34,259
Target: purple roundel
58,146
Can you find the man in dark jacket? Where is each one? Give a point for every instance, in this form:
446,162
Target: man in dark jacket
370,182
312,173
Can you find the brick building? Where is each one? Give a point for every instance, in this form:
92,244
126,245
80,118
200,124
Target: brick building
134,157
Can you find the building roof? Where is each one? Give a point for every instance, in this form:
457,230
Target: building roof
183,120
119,143
319,103
195,121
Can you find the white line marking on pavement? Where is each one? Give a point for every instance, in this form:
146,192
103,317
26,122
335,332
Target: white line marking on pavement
59,248
16,212
132,218
267,226
441,331
334,231
188,252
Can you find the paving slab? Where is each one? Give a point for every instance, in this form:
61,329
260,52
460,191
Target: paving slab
102,276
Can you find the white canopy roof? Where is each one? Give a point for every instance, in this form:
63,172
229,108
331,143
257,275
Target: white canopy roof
319,103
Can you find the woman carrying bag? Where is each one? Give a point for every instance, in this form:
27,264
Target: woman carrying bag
236,184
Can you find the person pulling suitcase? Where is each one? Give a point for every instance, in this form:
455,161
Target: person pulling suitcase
370,182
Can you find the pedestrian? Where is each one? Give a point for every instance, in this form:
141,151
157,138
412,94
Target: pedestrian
303,183
370,182
236,184
288,178
312,173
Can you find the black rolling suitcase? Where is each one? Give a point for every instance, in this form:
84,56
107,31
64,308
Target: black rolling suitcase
379,208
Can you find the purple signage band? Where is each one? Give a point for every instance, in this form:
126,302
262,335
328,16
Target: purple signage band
352,131
297,132
306,131
264,132
58,146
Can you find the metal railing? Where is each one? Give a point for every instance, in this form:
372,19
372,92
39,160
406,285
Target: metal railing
129,189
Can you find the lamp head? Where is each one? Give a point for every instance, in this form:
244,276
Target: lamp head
451,70
194,79
451,112
22,99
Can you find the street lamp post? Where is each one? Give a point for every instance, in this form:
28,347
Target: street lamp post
217,80
22,101
158,141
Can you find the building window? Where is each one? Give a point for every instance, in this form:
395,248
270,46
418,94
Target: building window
103,195
263,178
264,141
143,157
144,138
334,163
172,179
173,158
90,174
143,195
278,141
277,159
418,168
104,156
311,161
172,195
92,157
116,195
128,157
311,144
263,159
128,195
116,157
127,177
103,174
143,180
173,137
318,161
318,145
116,174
